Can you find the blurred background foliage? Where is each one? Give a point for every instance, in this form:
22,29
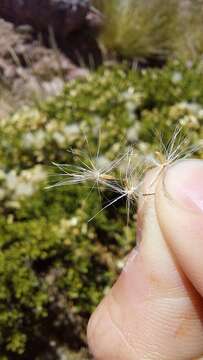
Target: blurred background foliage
153,30
55,266
140,29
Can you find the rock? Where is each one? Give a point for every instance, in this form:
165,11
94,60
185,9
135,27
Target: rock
71,25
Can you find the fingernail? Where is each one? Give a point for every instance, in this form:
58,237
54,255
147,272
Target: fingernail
184,184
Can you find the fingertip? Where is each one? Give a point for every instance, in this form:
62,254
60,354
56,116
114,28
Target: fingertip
183,184
179,206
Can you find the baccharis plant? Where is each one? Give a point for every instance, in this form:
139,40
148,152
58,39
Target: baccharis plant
87,171
126,184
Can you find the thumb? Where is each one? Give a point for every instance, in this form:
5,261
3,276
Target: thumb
153,311
180,213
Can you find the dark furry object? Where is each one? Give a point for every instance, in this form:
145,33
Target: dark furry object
63,16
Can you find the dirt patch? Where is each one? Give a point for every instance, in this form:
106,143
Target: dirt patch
28,69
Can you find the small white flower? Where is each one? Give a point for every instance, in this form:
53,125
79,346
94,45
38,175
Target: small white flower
39,139
143,146
59,138
190,121
24,189
177,77
11,180
133,132
28,140
102,162
2,193
71,131
37,174
128,93
120,264
200,114
36,140
131,106
52,126
192,107
2,175
73,221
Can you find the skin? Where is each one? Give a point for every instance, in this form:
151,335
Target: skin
155,309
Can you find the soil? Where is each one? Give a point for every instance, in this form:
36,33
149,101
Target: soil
31,69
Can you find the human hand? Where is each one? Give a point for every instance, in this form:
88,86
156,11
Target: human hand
155,309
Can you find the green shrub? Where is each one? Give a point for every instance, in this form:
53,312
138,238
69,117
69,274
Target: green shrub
54,265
